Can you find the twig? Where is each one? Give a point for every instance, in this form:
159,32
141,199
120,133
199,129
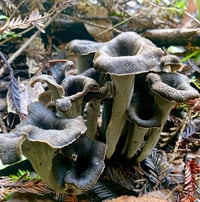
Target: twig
113,27
183,126
91,23
55,9
24,46
177,188
21,2
6,63
175,36
192,17
175,9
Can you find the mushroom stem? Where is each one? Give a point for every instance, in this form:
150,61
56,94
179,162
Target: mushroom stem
154,132
76,109
134,140
30,149
84,62
123,91
93,109
106,114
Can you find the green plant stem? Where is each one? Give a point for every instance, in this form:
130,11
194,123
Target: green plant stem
198,7
190,56
19,34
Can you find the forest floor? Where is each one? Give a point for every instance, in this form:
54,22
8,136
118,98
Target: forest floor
33,37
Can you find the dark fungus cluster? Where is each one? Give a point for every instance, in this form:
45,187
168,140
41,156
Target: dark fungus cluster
116,104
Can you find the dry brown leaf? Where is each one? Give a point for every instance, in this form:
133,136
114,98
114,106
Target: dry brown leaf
35,47
94,11
29,94
26,197
135,199
155,196
191,9
96,31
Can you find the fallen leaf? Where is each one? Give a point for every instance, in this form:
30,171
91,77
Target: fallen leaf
155,196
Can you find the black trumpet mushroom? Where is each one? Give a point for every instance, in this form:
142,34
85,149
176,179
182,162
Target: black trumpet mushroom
55,147
124,57
154,96
84,50
122,95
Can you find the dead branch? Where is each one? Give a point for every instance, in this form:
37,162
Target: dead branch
177,36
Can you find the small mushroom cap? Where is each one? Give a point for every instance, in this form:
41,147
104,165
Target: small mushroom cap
170,63
170,60
82,47
128,53
171,86
56,90
78,86
63,104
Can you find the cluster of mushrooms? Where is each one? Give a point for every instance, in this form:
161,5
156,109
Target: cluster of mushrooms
115,106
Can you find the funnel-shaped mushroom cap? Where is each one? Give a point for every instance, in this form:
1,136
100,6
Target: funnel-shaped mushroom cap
80,164
128,53
143,109
154,96
171,86
82,47
58,150
72,168
74,161
42,125
66,158
84,50
78,86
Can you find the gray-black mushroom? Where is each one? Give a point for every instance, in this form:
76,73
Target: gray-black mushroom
128,53
123,57
76,88
43,138
84,50
154,96
83,164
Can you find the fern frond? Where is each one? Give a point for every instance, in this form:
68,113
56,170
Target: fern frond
13,96
7,6
189,131
35,186
190,182
103,192
19,23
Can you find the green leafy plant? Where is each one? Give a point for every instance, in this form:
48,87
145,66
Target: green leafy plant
27,175
194,81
